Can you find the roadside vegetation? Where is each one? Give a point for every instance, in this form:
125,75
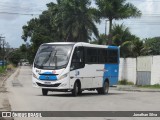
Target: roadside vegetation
156,86
2,69
10,66
125,82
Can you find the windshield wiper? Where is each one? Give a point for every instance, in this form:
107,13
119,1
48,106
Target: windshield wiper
47,58
54,56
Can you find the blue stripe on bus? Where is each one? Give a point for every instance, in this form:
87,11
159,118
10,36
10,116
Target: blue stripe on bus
111,73
48,76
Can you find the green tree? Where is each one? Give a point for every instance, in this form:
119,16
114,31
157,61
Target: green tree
66,20
116,10
75,20
15,57
120,34
23,48
130,45
152,46
30,54
101,40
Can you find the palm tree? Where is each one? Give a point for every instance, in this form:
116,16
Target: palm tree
74,19
116,9
132,48
130,45
101,40
120,34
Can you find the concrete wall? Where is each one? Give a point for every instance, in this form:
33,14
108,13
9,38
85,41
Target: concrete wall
155,70
128,68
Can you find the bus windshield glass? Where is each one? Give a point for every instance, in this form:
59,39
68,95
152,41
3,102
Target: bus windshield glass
52,56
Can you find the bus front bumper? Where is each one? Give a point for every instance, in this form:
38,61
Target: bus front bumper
52,85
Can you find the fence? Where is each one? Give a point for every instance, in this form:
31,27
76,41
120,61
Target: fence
141,71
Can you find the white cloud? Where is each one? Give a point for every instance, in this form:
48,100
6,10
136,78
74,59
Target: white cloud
148,25
11,25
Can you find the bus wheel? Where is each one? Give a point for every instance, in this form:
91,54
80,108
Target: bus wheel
79,92
75,90
44,92
104,89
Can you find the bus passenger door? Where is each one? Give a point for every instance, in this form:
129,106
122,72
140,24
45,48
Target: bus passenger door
78,68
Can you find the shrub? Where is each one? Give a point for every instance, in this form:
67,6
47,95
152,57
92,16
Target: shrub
125,82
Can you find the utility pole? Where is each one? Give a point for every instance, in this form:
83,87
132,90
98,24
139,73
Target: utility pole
106,31
106,27
2,40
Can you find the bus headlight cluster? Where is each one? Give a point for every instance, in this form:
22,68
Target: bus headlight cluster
63,76
35,76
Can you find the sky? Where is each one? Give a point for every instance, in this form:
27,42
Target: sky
146,26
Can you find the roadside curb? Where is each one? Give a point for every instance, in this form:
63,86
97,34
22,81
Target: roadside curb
132,88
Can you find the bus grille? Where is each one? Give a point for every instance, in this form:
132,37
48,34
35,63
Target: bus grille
44,85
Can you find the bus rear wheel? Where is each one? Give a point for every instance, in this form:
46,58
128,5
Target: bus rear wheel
104,89
44,92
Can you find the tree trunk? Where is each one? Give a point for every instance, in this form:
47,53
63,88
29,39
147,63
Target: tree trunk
110,26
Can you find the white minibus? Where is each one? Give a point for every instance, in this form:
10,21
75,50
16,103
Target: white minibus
75,67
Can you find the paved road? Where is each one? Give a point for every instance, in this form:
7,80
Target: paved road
23,97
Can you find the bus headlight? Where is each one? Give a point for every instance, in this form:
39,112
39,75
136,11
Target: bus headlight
34,76
63,76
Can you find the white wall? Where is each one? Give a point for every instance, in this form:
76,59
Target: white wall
155,70
127,69
144,63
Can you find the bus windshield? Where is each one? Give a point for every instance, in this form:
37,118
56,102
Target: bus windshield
52,56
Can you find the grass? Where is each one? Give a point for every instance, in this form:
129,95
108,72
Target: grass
2,70
156,86
8,67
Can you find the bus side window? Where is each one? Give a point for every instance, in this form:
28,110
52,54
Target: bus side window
78,58
113,56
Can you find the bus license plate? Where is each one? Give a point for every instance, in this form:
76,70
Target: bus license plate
47,83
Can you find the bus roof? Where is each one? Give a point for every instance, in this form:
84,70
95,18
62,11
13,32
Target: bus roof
82,44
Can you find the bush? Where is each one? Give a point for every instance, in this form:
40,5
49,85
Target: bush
2,69
10,67
125,82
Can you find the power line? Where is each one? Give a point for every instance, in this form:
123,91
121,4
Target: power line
14,8
19,5
144,15
19,8
16,13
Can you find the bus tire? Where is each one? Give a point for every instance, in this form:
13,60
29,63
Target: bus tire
44,92
104,89
75,90
79,92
